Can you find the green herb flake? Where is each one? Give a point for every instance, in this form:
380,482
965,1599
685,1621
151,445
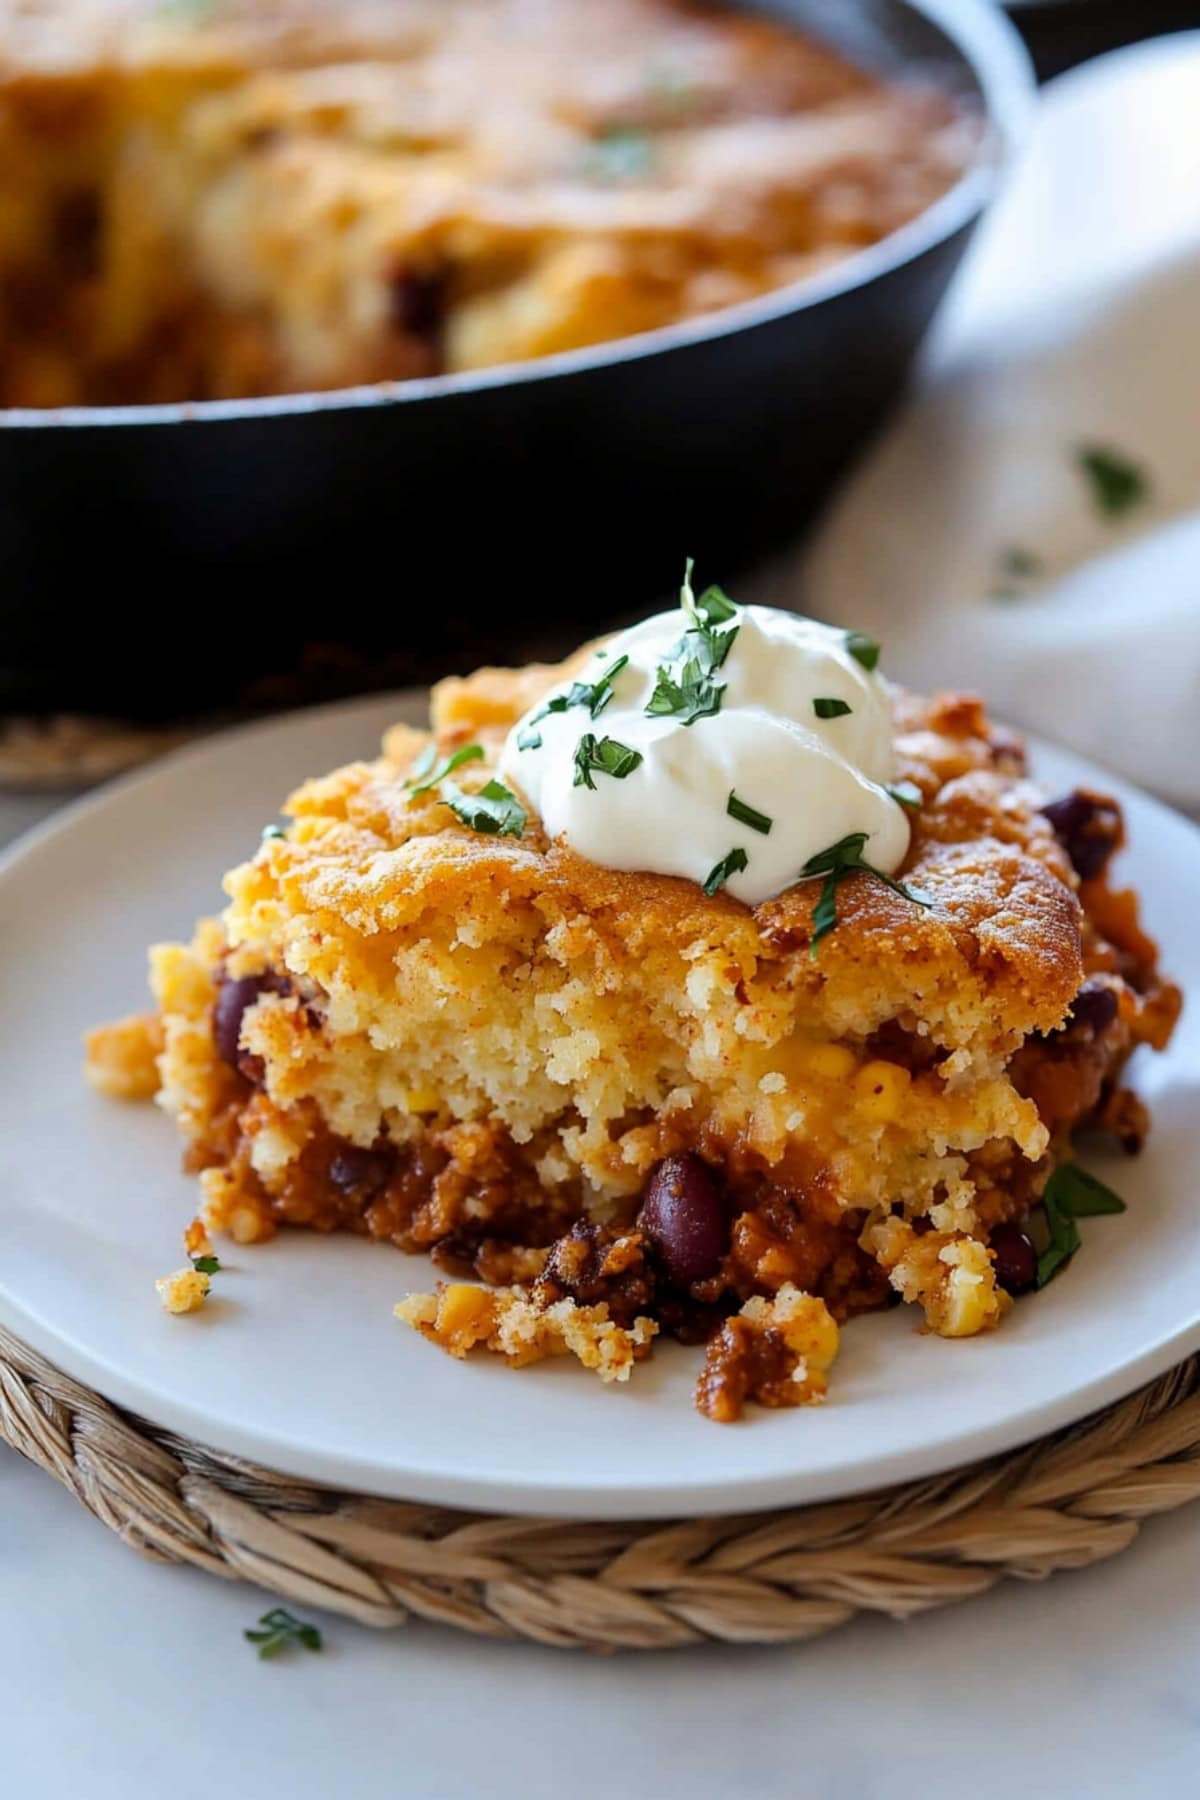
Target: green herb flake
842,859
603,756
206,1265
1016,566
1070,1194
730,864
281,1630
595,695
1081,1195
494,811
906,794
195,12
272,831
1017,561
424,776
747,815
620,153
830,709
1116,483
714,607
685,688
863,648
671,85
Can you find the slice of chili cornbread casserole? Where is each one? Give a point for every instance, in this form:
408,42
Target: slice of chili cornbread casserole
484,1046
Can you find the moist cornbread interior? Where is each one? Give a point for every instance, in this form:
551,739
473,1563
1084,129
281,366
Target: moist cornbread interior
219,198
466,1044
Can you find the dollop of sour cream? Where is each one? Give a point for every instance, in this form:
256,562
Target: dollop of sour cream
817,773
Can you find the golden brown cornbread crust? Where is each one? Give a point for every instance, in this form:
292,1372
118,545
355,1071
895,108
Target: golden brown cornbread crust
483,1047
1003,942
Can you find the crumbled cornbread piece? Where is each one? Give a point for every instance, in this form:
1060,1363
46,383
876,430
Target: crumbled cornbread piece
458,1317
196,1240
949,1275
121,1059
183,1292
778,1352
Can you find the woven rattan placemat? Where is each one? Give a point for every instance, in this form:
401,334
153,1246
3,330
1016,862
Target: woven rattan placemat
68,751
1071,1499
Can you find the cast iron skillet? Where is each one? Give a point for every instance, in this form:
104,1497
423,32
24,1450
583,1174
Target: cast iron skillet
161,559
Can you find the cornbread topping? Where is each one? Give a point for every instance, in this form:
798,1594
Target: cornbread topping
730,745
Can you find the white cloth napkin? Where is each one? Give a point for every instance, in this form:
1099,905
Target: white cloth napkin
1076,323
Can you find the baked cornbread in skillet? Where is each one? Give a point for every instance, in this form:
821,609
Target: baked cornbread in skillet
248,197
630,1104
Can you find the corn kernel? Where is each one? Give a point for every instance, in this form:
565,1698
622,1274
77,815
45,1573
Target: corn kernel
422,1100
970,1300
881,1089
830,1062
462,1308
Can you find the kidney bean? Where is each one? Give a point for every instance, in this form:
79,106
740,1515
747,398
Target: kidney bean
1088,826
1094,1007
418,303
685,1214
1014,1258
234,998
351,1168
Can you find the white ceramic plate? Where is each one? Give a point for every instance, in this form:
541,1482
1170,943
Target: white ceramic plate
297,1361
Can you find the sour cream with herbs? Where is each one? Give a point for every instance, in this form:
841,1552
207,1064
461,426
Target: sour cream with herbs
728,745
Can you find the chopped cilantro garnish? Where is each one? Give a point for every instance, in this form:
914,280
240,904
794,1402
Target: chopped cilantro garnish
1016,566
424,776
685,694
730,864
864,649
685,688
603,756
620,153
1117,483
747,815
842,859
1070,1194
906,794
273,831
279,1629
671,85
830,709
494,810
193,11
206,1265
595,695
714,607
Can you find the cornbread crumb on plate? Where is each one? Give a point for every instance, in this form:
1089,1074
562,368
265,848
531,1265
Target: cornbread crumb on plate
458,1317
776,1351
183,1292
121,1059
